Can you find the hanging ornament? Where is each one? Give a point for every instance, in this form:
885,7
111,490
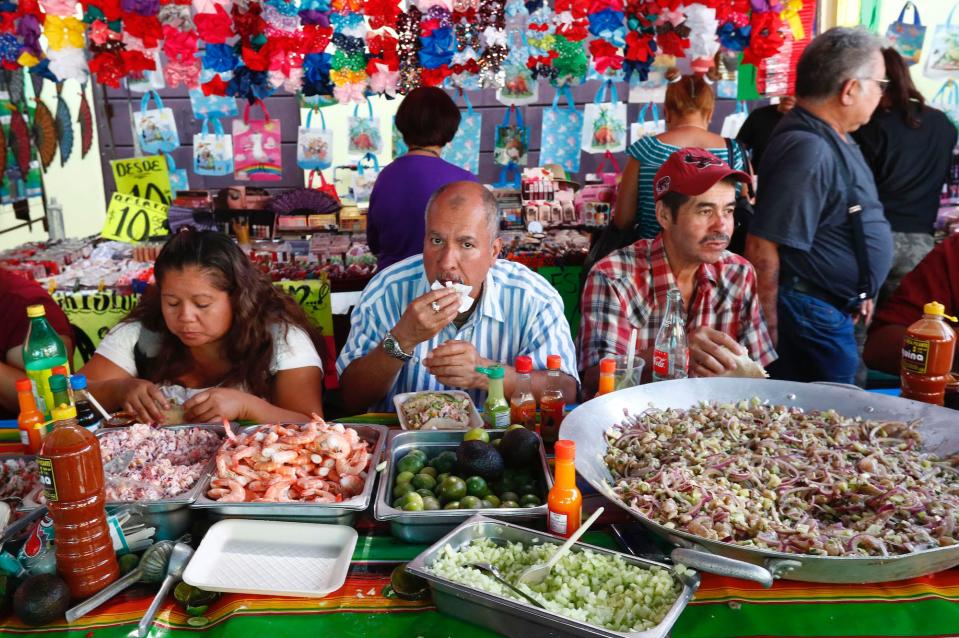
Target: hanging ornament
44,133
85,120
64,127
20,140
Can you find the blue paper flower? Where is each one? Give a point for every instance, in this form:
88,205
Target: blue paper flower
252,85
220,58
733,38
608,25
437,48
316,74
10,47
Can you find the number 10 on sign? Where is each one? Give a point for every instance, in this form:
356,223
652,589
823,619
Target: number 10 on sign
132,219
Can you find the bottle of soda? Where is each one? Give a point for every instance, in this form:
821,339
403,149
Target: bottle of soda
671,350
60,391
86,415
522,404
553,402
31,419
43,350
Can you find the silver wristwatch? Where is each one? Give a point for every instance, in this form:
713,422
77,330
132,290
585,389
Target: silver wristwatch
392,347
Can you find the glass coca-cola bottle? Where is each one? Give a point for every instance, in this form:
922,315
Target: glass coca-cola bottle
671,351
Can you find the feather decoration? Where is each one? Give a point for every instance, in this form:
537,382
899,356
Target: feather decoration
44,133
64,127
85,120
20,140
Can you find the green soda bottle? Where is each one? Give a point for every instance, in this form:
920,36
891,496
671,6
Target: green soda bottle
43,350
496,409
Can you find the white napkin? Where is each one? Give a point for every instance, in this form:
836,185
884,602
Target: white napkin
466,302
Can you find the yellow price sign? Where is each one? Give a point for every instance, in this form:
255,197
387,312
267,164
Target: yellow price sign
133,219
147,177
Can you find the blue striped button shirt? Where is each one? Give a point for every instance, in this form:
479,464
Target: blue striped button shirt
519,313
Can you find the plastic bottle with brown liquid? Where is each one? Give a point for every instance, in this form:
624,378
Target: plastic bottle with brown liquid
71,471
927,354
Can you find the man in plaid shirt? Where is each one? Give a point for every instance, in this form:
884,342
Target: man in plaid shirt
695,195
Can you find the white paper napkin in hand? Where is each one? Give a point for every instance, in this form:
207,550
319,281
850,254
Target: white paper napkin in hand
466,302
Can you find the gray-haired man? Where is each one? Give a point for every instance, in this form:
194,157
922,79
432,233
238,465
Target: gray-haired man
819,241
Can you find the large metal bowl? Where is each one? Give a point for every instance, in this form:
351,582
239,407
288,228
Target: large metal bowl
939,428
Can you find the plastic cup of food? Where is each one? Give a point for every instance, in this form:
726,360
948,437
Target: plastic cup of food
628,376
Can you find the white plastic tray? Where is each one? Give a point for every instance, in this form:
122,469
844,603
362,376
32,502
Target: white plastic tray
272,558
475,420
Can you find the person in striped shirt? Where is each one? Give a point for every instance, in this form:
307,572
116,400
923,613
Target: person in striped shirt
695,194
405,337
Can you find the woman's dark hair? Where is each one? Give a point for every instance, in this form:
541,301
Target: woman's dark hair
427,117
901,95
256,303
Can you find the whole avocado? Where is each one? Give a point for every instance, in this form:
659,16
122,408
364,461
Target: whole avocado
520,448
477,458
41,599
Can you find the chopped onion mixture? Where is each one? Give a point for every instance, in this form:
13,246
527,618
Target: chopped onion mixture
600,589
777,478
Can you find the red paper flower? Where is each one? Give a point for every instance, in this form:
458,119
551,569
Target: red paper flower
8,22
179,45
249,24
256,60
215,28
216,86
638,47
671,44
30,8
147,28
575,32
315,38
137,62
765,39
382,13
605,56
107,68
434,77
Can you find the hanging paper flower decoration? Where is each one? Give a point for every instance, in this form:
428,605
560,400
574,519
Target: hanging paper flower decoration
765,39
215,28
219,57
608,25
316,74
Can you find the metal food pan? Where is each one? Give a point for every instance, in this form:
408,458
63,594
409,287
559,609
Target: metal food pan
427,526
170,516
338,514
26,457
514,618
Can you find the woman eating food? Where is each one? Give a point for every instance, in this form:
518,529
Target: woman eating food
214,338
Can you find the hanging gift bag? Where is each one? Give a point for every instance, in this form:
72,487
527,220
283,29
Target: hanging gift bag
604,123
212,152
464,149
211,106
946,100
179,181
734,121
155,128
643,127
512,140
314,146
363,133
562,131
399,144
943,58
363,180
256,147
324,187
907,38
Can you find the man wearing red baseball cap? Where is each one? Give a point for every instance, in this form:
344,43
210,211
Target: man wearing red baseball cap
695,194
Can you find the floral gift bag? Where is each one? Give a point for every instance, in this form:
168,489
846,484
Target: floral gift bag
946,100
464,149
363,180
256,147
211,106
179,181
562,130
511,147
943,58
155,128
907,38
604,123
212,152
364,132
314,146
643,127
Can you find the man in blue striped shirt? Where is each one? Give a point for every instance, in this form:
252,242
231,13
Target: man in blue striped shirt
405,337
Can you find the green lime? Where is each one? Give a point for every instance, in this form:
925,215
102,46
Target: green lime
470,503
417,452
509,496
530,499
515,426
182,592
492,499
452,505
411,463
398,503
425,493
412,502
476,434
444,462
442,477
431,503
509,504
404,477
198,621
128,563
429,469
424,481
496,443
476,486
197,611
402,489
529,487
453,489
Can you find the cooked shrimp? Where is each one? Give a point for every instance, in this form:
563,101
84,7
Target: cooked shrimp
307,435
352,484
279,491
354,464
334,444
237,493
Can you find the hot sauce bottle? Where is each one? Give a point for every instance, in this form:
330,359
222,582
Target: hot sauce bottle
565,503
553,402
522,405
927,354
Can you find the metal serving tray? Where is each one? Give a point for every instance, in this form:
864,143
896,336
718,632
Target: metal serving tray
170,516
337,514
514,618
427,526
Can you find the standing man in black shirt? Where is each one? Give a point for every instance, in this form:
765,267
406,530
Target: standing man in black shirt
819,241
908,146
758,128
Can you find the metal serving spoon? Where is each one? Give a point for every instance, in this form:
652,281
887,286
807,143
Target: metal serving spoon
538,573
492,571
179,559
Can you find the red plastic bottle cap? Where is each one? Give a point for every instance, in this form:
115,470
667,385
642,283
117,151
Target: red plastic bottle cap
565,450
524,364
24,385
554,362
60,370
607,366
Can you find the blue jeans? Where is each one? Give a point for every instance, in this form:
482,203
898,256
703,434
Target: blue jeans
816,340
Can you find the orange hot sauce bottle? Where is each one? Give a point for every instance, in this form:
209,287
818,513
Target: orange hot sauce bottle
607,376
564,501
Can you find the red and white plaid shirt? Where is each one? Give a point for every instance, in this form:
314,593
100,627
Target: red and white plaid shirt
628,289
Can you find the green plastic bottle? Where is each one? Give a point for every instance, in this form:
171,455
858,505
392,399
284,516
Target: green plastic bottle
496,409
43,350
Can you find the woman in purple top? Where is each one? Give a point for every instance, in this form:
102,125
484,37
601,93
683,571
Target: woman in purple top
428,120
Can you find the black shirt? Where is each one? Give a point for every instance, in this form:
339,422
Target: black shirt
802,205
910,164
757,129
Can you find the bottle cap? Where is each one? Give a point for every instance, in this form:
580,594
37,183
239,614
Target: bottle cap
78,382
24,385
61,370
936,309
554,362
58,383
36,310
493,372
524,364
565,450
607,366
63,412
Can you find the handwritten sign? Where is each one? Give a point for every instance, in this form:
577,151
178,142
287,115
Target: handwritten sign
133,219
145,177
